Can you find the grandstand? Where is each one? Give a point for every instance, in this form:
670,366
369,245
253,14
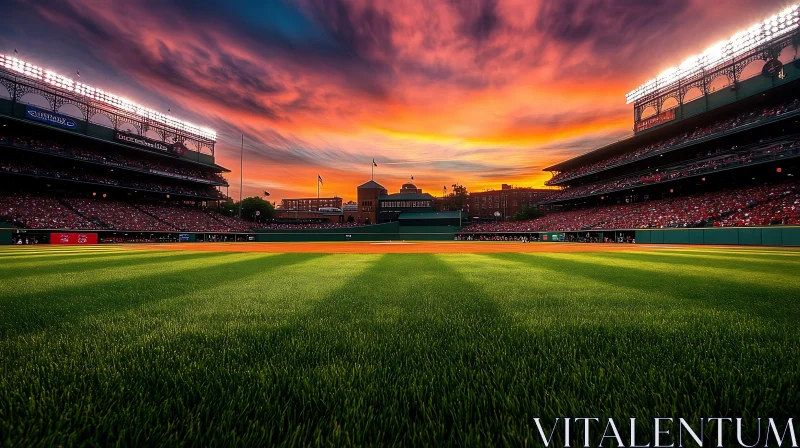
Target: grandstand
716,144
75,158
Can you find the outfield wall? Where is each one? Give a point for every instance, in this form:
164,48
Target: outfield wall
378,232
746,236
5,236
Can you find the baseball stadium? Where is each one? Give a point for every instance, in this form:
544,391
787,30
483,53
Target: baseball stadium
657,277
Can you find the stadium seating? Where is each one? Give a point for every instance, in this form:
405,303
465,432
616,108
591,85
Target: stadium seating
40,212
185,218
704,163
116,215
746,206
43,211
150,165
742,119
75,173
235,224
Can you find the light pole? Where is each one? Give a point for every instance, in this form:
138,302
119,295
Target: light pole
241,176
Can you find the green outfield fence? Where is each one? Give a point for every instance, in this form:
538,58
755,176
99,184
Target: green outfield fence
747,236
377,232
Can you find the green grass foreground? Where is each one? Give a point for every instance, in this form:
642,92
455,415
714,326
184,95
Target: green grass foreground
106,346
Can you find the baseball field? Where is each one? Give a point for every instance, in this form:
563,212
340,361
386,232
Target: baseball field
393,344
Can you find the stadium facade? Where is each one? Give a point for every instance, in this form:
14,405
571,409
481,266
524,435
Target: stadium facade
81,165
713,158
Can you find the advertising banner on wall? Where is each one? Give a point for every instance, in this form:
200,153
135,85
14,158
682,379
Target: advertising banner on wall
656,120
73,238
138,140
43,116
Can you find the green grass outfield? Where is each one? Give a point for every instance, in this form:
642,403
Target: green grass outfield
108,346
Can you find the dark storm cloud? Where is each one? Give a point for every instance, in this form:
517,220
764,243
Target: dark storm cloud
607,24
480,18
203,69
367,35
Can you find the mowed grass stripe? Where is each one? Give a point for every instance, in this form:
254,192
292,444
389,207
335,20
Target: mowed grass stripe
781,275
668,364
417,349
776,252
33,305
63,278
48,249
725,289
537,296
714,257
79,263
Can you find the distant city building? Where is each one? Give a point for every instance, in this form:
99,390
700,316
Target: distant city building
504,203
310,204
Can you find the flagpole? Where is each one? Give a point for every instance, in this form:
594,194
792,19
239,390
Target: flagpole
241,176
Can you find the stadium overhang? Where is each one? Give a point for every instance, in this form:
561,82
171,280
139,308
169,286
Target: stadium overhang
762,41
20,78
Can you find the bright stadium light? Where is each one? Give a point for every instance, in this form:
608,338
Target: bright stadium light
29,70
772,28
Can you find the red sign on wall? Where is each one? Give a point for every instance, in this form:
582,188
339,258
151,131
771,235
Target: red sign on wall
73,238
651,122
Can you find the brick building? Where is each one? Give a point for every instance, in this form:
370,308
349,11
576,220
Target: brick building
502,204
368,194
310,204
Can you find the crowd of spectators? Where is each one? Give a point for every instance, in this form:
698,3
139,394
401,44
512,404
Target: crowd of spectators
187,219
745,206
780,206
232,223
518,238
310,225
40,212
150,165
44,211
137,239
742,119
704,163
79,174
117,215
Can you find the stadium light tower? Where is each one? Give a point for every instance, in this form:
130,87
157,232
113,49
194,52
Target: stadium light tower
14,64
741,43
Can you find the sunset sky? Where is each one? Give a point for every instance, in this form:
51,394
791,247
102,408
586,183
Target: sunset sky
476,92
